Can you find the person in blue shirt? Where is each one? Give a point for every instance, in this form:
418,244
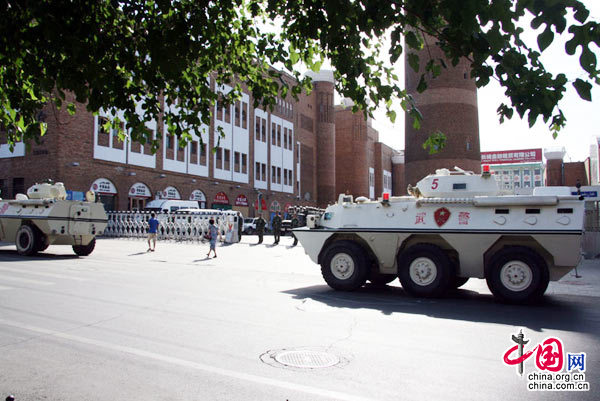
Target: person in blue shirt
152,232
213,232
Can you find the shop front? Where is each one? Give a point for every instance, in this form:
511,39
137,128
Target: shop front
198,196
171,193
106,193
274,208
241,205
139,193
263,207
221,201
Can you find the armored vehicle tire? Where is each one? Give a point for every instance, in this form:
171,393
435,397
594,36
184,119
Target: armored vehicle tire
84,250
517,274
42,242
344,266
458,282
26,240
424,270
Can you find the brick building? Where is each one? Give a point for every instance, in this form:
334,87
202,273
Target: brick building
298,153
448,105
568,174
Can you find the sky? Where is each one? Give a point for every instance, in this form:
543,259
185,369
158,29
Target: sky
583,117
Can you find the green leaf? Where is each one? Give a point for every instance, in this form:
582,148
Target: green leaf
71,108
584,89
391,115
545,38
413,61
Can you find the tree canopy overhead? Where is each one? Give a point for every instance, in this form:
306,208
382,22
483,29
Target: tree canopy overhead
113,55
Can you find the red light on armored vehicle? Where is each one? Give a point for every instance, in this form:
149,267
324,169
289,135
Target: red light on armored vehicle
386,196
486,168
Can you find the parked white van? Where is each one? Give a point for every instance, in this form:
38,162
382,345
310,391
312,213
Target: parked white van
169,205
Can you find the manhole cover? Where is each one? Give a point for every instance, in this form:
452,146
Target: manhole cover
307,359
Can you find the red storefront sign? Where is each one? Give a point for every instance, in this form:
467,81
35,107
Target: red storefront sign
263,205
221,198
241,200
286,207
512,156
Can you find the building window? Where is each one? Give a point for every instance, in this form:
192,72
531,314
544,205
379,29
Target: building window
291,179
279,135
285,176
219,158
264,171
236,162
279,175
257,173
103,138
285,145
228,113
244,164
203,154
244,115
169,141
194,149
273,134
264,130
237,113
257,129
226,153
273,175
220,110
18,186
537,171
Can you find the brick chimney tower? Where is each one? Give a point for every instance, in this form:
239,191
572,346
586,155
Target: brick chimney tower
448,105
323,85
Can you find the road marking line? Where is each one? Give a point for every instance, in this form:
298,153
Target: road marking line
45,274
190,364
25,280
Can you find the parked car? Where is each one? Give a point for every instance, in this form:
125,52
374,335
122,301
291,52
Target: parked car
249,225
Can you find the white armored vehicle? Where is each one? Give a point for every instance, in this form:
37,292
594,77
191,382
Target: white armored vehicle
44,217
455,225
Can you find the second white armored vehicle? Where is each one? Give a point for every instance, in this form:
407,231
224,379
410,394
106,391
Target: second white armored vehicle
455,225
44,217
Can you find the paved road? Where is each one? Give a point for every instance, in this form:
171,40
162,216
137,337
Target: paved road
123,324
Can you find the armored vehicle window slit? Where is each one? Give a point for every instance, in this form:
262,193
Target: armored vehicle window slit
502,211
532,211
459,186
565,210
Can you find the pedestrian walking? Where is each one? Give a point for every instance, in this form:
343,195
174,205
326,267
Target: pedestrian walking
213,233
260,228
152,232
295,224
276,228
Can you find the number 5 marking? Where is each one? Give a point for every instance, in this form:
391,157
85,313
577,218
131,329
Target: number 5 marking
434,183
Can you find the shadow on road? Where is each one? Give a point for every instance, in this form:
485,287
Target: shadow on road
560,312
8,255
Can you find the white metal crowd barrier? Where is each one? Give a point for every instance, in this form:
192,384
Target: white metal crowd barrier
176,226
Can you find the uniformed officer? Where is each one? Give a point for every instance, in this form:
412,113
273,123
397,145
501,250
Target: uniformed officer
295,224
260,228
276,228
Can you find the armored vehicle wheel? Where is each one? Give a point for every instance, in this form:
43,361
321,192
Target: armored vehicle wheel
517,274
344,266
26,240
84,250
424,270
42,243
458,282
